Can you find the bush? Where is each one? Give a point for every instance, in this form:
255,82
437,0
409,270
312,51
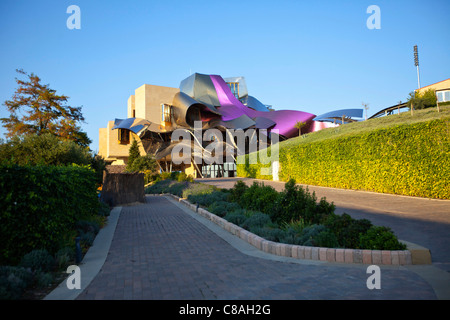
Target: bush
256,220
269,233
310,233
259,197
237,191
45,149
347,230
221,208
236,217
198,189
44,279
296,203
184,177
38,260
39,205
207,199
64,257
13,282
325,239
380,238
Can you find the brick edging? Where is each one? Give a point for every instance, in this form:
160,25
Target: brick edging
358,256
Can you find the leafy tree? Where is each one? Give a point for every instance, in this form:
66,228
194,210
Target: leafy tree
427,99
49,150
133,154
143,163
35,108
45,149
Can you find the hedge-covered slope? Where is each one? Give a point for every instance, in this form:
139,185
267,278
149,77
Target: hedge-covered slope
407,159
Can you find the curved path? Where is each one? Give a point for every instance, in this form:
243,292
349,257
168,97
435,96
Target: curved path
162,250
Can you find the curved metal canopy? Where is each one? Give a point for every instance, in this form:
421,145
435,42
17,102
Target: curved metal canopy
133,124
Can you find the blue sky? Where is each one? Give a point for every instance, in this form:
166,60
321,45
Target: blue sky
313,56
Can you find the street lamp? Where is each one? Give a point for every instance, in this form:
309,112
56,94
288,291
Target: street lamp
416,63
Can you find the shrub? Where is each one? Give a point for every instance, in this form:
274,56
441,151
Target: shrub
347,230
310,233
198,189
45,149
64,257
184,177
84,226
207,199
238,190
38,260
39,205
236,217
296,203
259,197
13,282
44,279
380,238
269,233
221,208
326,239
256,220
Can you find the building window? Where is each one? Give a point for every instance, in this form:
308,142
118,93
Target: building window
234,87
443,96
166,112
124,136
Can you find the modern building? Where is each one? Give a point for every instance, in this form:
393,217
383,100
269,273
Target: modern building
442,88
158,116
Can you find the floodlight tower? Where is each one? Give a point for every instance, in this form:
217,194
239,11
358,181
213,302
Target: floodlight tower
416,63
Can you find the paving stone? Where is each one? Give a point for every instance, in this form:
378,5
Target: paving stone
160,252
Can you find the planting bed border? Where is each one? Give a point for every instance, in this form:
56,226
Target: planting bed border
412,256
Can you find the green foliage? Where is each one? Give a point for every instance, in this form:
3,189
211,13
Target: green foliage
35,109
259,197
184,177
133,154
237,191
13,282
39,206
64,258
297,203
198,190
347,230
38,260
256,220
380,238
236,217
221,208
409,159
45,149
426,99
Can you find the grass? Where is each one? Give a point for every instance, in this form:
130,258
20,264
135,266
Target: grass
369,125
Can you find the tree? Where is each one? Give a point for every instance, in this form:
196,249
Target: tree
37,109
45,149
133,154
426,99
299,125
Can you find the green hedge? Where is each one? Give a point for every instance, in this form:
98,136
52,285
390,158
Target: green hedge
39,206
410,159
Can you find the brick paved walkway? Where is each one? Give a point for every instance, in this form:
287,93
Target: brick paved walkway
159,251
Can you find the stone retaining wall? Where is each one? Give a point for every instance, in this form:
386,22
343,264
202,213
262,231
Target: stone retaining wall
413,255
